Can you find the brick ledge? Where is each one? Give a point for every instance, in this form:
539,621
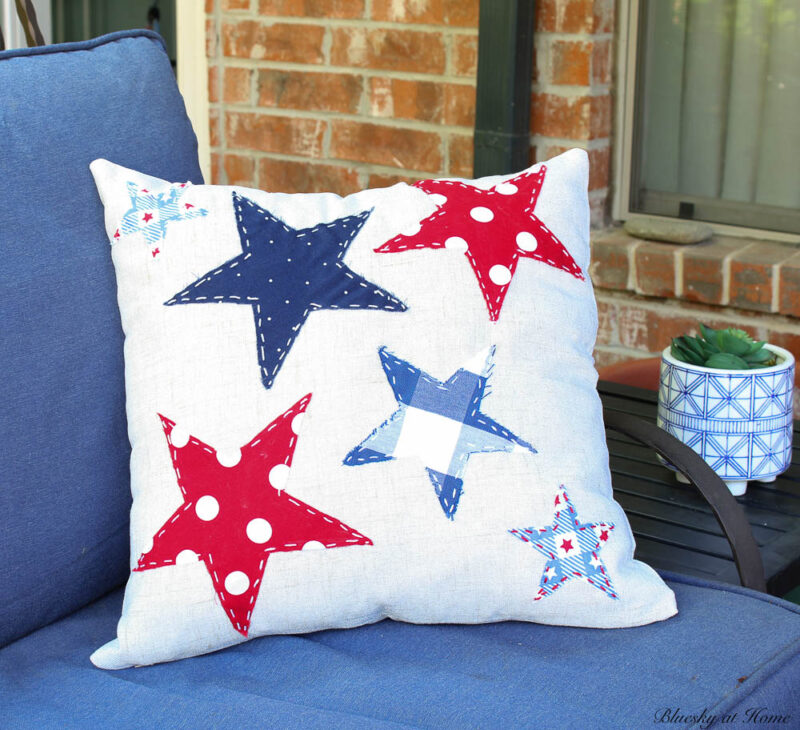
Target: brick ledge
745,273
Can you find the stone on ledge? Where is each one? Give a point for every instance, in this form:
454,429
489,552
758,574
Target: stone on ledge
672,231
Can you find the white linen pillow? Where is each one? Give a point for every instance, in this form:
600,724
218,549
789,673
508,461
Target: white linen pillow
404,373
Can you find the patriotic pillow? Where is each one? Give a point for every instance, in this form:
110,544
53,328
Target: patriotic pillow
346,409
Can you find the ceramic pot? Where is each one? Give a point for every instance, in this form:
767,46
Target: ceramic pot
739,421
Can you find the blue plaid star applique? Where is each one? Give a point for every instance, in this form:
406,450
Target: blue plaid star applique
151,212
440,423
284,274
571,549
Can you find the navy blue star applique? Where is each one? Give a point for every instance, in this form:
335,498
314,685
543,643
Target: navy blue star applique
284,274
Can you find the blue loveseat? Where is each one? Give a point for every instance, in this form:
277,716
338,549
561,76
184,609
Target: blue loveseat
64,498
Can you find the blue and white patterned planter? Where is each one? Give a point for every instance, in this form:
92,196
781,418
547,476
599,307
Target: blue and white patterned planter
739,421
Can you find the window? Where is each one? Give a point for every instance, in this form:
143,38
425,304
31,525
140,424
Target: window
710,112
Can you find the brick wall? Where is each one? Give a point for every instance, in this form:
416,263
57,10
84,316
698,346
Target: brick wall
312,95
572,87
648,293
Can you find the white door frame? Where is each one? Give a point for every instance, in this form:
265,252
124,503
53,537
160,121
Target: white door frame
190,36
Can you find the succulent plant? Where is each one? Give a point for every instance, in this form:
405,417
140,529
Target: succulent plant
728,349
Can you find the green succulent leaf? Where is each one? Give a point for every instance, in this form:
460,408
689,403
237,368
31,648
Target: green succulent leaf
683,354
709,335
756,346
741,334
694,344
762,359
725,349
726,361
731,343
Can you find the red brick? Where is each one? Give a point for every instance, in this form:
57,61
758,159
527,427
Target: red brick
655,268
632,326
703,269
599,216
289,176
788,340
602,62
752,276
599,168
560,116
460,152
606,323
463,13
236,85
239,170
452,13
213,84
291,42
565,16
406,99
388,48
313,8
651,330
603,17
382,180
571,62
310,91
212,39
553,150
209,7
419,11
459,105
605,357
790,286
268,133
465,55
406,148
215,138
235,5
539,63
216,167
610,264
600,116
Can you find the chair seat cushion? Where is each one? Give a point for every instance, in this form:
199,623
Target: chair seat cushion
728,650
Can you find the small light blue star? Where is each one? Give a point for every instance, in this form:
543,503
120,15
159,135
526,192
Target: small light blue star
439,423
571,549
151,212
284,274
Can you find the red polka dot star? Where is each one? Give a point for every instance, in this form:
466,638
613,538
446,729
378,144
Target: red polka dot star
492,228
235,513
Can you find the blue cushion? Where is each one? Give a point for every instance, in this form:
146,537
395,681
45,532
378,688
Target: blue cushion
728,649
64,492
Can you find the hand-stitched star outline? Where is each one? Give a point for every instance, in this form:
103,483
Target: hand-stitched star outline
151,212
234,517
284,274
438,422
565,558
493,228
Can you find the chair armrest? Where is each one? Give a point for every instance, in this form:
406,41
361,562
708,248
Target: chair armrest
723,504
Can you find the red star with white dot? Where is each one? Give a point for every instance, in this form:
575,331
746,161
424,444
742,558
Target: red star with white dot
493,228
235,514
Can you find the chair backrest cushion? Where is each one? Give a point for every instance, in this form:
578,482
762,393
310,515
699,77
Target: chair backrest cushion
64,471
